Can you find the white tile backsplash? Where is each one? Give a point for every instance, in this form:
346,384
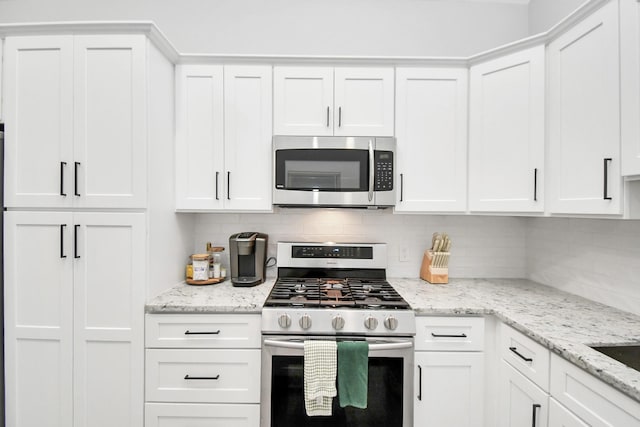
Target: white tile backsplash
483,246
598,259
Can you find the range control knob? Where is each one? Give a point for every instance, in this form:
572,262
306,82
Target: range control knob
370,322
305,321
391,323
337,322
284,320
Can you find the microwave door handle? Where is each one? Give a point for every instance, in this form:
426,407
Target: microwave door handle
371,170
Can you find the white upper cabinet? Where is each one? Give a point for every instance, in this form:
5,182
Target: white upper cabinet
303,101
431,131
630,85
584,117
224,131
506,133
199,136
75,132
247,136
346,101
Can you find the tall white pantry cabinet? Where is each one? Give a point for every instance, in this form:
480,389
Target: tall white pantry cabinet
76,115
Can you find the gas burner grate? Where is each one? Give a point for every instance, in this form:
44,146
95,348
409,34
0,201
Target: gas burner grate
332,293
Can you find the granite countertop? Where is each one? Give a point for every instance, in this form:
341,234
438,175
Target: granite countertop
565,323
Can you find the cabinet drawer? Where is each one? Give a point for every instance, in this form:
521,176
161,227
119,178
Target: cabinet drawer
201,415
197,375
450,333
202,331
597,403
559,416
526,355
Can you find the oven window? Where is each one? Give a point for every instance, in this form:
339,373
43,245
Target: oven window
322,170
384,399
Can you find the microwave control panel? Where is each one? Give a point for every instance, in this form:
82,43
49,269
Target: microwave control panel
383,175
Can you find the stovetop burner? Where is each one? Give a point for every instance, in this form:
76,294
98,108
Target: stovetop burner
335,292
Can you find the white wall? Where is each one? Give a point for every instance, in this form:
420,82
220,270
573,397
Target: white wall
544,14
483,246
303,27
598,259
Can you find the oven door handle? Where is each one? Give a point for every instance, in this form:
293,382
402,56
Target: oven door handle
372,347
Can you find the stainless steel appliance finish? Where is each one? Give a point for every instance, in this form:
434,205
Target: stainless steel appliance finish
336,291
248,252
334,171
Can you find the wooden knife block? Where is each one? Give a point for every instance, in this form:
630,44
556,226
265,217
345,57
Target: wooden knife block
435,275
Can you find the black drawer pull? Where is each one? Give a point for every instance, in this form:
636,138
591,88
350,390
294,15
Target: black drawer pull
188,332
606,178
534,416
75,179
62,166
515,350
419,382
187,377
448,335
75,241
62,254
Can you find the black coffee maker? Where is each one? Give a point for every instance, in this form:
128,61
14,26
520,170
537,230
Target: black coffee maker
248,252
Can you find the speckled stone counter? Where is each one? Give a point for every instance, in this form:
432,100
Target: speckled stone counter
563,322
218,298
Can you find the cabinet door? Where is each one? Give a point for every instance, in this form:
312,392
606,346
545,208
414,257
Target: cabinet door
199,137
630,85
38,316
247,137
363,102
431,123
584,116
38,111
506,133
303,101
109,289
559,416
521,402
110,121
201,415
449,389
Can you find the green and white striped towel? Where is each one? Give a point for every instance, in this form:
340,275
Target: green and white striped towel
320,367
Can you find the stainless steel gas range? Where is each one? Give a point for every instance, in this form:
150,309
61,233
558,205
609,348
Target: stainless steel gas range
336,291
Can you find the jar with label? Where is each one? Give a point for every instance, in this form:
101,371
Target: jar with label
200,266
217,262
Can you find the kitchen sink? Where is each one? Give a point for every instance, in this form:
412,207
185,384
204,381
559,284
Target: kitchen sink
629,354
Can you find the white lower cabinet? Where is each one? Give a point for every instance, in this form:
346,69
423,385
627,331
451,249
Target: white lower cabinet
73,321
201,415
559,416
590,399
522,403
449,372
201,370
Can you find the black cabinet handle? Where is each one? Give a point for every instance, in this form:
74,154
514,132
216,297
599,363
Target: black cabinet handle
62,166
75,178
187,377
188,332
62,226
75,241
534,414
419,382
217,177
401,186
535,185
327,116
515,350
448,335
228,185
339,116
606,178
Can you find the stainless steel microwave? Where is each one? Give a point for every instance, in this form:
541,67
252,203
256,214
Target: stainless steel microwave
334,171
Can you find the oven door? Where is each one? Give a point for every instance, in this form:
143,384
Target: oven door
389,400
